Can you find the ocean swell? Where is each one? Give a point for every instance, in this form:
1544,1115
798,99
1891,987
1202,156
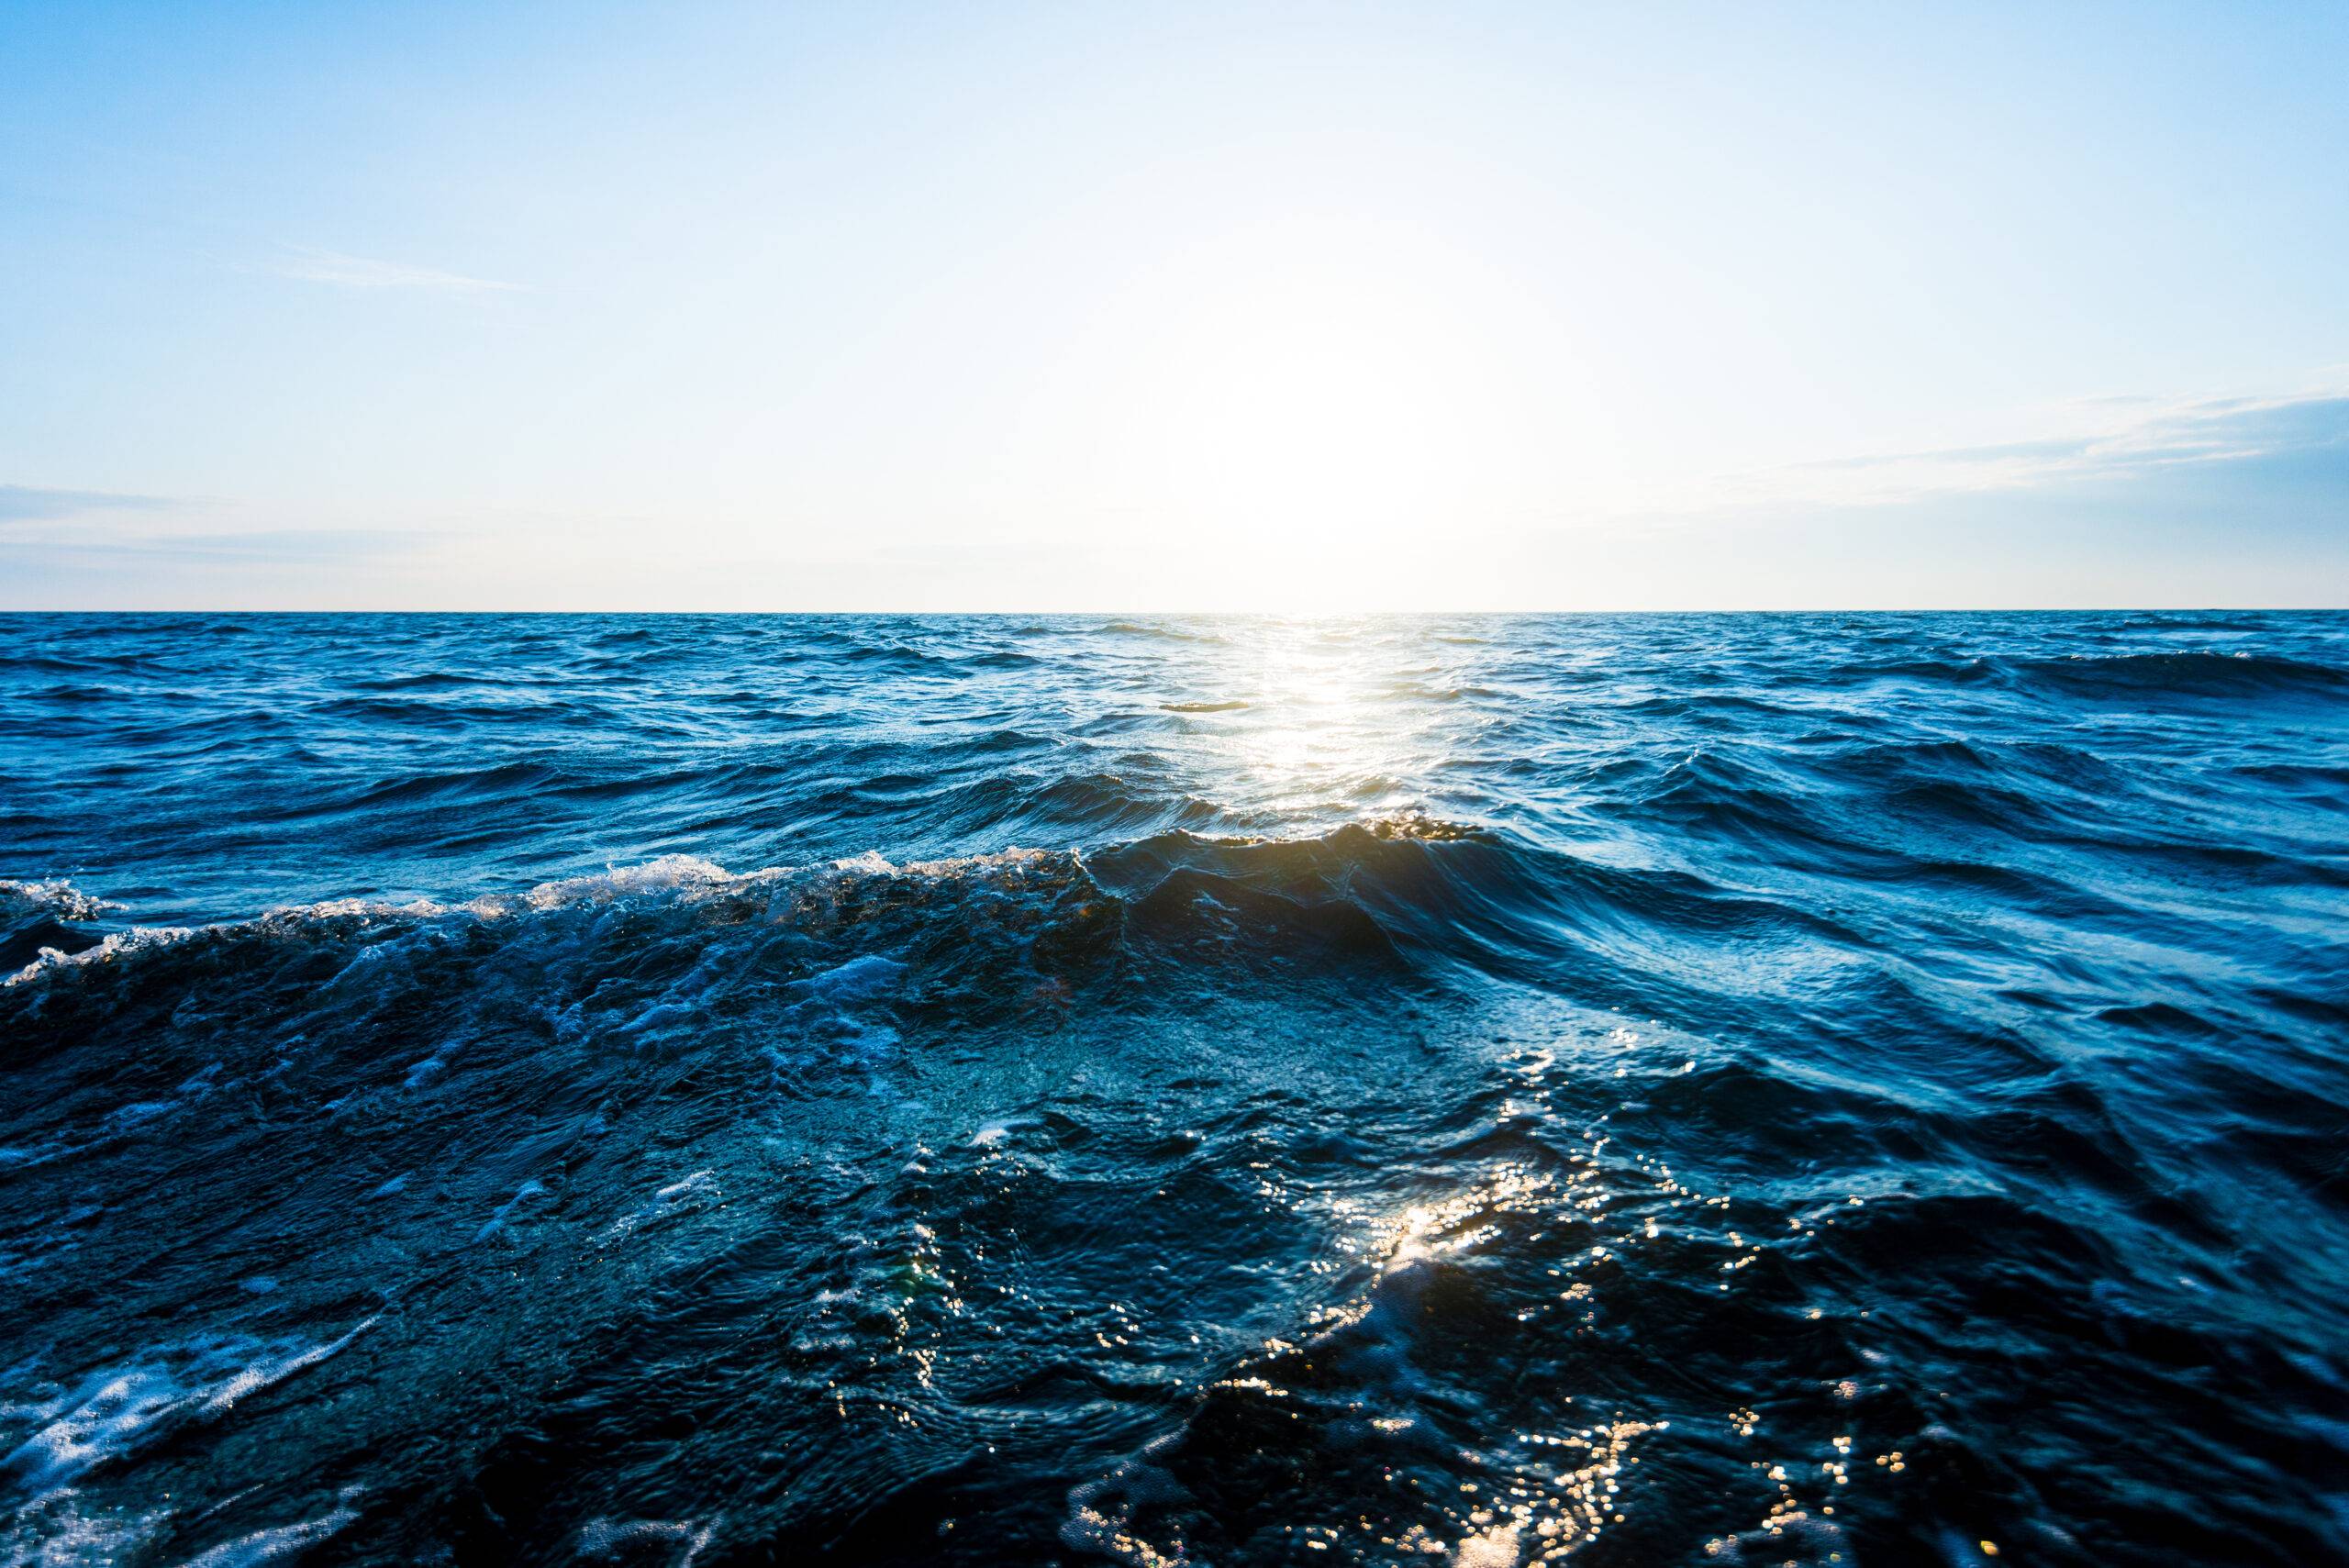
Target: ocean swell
1749,1089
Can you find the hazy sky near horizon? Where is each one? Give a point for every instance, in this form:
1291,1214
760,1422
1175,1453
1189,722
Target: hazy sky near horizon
1296,306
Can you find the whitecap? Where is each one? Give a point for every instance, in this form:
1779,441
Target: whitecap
268,1545
605,1536
115,945
55,897
669,873
111,1413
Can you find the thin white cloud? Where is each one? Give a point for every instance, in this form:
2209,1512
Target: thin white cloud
29,503
52,529
257,547
311,264
2117,438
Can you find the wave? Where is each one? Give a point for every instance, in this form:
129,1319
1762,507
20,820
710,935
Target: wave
1415,898
56,898
1603,1062
2196,673
1164,631
54,914
1255,901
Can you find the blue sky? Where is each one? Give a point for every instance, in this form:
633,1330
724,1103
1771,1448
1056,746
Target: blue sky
1282,308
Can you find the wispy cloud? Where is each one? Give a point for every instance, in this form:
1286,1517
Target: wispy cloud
25,503
98,568
59,529
308,264
254,547
2208,501
2122,439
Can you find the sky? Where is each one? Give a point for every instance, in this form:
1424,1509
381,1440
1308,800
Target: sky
1289,307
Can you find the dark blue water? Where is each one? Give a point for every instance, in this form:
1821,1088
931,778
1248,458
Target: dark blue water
1861,1089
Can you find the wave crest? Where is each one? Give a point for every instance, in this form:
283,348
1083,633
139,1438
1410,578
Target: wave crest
56,899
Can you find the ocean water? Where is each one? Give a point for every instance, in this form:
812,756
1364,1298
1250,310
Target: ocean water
1634,1090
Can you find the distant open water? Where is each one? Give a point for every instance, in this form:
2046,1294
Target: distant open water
1739,1089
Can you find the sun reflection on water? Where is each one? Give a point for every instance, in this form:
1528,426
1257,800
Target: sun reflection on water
1522,1272
1330,722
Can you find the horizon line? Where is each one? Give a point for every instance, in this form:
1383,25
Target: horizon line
1246,614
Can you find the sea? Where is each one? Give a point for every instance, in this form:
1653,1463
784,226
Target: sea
1855,1089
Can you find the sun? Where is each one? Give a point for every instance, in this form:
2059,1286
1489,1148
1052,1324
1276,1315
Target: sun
1323,408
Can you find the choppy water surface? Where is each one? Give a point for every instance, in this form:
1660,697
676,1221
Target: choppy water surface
1642,1090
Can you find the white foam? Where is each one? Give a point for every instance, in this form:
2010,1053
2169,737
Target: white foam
365,908
268,1545
113,1412
669,873
697,1191
110,1416
55,897
115,945
967,866
262,1374
699,1182
861,979
529,1189
994,1134
54,1533
608,1537
688,879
